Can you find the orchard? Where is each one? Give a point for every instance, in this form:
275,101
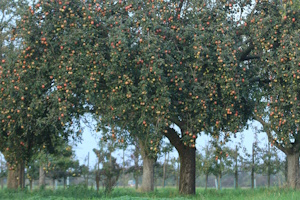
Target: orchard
153,69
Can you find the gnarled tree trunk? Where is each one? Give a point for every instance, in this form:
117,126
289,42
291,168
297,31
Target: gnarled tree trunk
293,169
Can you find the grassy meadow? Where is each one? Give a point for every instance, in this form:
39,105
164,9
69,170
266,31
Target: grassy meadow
161,194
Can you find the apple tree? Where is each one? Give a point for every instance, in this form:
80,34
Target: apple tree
273,35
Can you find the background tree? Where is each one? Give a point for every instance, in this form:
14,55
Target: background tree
63,164
32,172
28,117
166,150
273,36
110,169
271,163
205,162
137,168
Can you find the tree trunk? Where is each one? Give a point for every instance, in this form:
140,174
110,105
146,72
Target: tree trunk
16,177
148,169
123,170
177,174
164,173
30,184
269,166
2,183
42,177
236,174
252,168
206,181
22,175
219,182
187,155
12,179
97,180
187,183
65,182
293,170
286,169
136,178
148,174
53,183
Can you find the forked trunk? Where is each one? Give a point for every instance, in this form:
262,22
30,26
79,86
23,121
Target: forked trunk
293,170
187,183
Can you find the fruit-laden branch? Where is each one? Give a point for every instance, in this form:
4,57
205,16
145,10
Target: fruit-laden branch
269,134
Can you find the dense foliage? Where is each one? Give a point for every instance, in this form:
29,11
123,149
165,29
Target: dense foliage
152,68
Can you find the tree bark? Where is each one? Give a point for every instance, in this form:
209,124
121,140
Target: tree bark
164,173
148,169
22,175
16,177
2,183
30,184
42,177
293,169
252,168
53,183
148,174
206,181
187,183
236,173
12,179
187,155
136,178
269,166
65,182
97,180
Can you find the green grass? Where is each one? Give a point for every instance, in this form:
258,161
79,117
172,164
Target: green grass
79,192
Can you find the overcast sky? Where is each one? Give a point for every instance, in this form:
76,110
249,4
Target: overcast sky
91,139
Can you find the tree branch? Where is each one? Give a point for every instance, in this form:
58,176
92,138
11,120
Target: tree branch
270,137
174,139
245,54
251,58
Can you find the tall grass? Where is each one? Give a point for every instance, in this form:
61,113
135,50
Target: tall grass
80,192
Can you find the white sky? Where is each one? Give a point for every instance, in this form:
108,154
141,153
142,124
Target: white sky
91,139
